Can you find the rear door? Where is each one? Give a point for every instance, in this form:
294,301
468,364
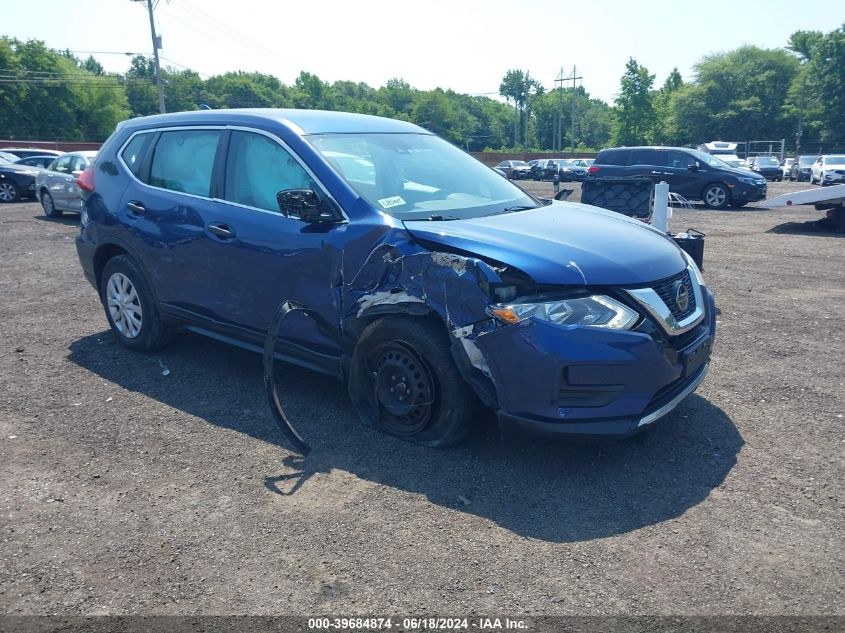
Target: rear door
166,209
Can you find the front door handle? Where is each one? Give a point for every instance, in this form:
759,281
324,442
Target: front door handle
136,207
223,231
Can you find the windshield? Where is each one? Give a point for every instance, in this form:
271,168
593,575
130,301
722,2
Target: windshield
835,160
519,163
419,176
708,159
807,160
767,161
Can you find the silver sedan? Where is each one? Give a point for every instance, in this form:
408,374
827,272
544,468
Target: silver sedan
55,186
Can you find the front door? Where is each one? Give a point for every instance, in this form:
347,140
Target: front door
255,257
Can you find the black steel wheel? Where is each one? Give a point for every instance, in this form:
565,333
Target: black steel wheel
404,382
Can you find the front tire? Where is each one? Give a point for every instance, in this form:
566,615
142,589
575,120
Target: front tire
50,209
131,307
9,191
717,196
404,382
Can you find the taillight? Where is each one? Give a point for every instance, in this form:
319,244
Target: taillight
86,180
594,169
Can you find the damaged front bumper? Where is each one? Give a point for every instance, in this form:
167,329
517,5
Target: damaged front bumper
590,382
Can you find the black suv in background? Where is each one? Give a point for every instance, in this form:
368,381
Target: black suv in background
767,166
689,172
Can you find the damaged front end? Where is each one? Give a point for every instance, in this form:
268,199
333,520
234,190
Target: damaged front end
559,359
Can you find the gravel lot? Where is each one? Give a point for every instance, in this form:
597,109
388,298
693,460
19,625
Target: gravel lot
125,490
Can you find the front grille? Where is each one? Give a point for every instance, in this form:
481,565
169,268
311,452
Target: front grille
666,290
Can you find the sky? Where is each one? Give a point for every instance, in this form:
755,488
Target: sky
463,45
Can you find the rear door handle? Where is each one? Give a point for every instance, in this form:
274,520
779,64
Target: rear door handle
136,207
223,231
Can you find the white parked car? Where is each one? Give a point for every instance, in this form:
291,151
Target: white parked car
55,186
828,170
786,167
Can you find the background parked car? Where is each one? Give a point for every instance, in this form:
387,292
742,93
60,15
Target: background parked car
828,170
766,166
802,167
16,181
514,169
35,161
546,168
56,188
573,169
689,172
25,152
786,168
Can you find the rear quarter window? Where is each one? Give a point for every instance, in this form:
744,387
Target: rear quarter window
135,151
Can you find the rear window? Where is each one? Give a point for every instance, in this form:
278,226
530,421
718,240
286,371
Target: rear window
613,157
183,161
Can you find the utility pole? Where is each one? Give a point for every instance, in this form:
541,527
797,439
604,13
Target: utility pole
573,77
557,139
156,47
559,123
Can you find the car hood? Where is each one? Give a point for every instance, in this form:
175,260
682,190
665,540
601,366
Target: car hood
563,243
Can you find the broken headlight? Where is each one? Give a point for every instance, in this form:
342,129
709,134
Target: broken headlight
592,311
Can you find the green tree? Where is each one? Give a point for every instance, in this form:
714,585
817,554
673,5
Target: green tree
662,100
737,96
635,116
819,89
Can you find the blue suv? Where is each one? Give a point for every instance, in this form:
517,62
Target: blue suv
429,283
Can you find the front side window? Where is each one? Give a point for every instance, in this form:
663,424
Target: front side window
416,176
258,168
63,164
183,161
679,160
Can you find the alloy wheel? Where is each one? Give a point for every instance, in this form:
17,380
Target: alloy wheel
7,192
124,305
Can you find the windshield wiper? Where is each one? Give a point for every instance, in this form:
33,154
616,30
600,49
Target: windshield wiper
512,210
440,218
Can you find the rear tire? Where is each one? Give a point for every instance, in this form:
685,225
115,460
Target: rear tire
404,382
131,307
717,196
50,209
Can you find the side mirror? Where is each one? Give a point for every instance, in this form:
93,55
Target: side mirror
77,173
693,166
306,205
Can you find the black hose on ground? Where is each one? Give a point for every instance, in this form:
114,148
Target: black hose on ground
282,421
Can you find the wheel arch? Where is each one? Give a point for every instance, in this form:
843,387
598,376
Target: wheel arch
111,249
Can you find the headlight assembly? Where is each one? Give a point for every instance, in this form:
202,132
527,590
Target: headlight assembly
592,311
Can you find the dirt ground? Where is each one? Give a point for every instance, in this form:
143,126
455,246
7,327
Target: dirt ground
158,484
